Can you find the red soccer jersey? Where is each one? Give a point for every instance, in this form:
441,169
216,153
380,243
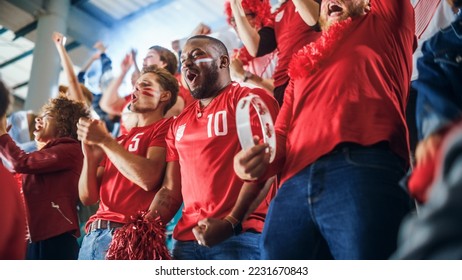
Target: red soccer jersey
204,141
358,93
291,33
120,198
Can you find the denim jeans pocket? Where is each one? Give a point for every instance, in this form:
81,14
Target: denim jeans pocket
375,158
449,57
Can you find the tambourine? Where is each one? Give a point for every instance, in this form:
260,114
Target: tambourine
244,129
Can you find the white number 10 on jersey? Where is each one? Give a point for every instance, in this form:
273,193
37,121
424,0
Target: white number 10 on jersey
217,124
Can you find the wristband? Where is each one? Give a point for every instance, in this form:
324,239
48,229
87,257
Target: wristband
235,224
244,128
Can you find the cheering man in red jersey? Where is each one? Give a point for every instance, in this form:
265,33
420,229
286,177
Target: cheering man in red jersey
345,135
216,222
127,179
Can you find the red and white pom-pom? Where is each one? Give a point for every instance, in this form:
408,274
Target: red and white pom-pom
142,239
261,9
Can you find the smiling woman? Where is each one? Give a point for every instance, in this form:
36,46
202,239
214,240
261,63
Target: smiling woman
50,177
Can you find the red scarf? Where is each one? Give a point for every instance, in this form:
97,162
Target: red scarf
309,59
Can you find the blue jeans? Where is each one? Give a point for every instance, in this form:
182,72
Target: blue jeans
95,244
244,246
346,205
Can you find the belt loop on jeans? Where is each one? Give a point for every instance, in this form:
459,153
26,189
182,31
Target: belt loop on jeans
104,224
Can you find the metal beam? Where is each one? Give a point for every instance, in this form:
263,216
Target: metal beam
86,29
78,2
149,8
83,27
20,85
33,7
25,30
96,13
16,58
72,45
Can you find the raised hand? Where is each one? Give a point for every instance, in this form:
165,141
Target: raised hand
58,38
127,62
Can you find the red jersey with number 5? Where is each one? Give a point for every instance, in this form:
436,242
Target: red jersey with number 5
120,198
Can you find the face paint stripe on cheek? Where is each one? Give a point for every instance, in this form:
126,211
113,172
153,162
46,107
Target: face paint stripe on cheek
148,92
201,60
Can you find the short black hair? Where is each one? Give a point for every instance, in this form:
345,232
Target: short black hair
217,44
4,98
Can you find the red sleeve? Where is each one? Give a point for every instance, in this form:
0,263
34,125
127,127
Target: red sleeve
172,153
55,158
281,127
13,219
285,115
160,133
396,11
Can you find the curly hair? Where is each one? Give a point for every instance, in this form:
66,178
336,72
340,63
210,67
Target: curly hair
261,9
67,113
167,81
167,57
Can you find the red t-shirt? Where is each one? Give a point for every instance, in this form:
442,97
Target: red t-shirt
291,33
120,198
358,94
204,141
13,221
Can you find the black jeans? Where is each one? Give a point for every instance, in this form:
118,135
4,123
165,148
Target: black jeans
61,247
